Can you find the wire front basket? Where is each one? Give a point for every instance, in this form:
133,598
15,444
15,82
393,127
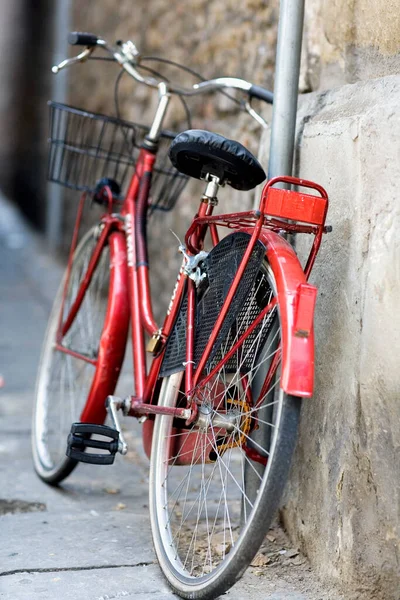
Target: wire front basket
86,147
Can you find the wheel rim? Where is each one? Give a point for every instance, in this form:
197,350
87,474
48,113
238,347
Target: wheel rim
198,511
64,381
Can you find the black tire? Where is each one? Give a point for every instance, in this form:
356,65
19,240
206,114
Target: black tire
58,370
193,564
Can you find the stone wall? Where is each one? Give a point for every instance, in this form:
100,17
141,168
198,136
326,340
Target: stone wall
342,505
213,38
349,40
343,502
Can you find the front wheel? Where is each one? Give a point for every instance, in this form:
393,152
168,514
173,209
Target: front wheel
70,388
215,486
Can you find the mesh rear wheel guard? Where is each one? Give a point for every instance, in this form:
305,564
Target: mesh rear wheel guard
220,266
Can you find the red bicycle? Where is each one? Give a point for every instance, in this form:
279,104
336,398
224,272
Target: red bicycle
220,403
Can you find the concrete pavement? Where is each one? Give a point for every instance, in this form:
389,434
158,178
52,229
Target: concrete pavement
89,538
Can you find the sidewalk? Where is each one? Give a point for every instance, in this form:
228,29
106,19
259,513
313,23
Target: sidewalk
91,537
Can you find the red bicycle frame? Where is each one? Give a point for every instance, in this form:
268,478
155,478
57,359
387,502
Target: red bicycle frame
279,211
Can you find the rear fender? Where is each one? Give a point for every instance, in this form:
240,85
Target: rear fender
296,300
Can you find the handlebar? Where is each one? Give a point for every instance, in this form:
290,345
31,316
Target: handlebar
79,38
128,57
261,93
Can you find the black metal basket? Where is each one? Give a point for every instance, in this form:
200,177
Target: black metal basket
86,146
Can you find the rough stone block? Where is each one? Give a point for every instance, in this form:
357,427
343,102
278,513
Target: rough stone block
342,505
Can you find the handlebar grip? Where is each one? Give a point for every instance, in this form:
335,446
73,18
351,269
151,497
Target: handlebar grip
261,93
79,38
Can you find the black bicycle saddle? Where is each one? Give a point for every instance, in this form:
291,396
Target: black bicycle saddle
196,153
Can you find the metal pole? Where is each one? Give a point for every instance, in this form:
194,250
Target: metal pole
286,87
55,193
280,163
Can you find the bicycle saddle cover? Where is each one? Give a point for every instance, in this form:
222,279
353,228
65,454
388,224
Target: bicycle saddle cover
196,152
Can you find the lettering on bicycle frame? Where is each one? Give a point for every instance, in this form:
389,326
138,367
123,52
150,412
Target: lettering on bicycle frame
129,240
175,290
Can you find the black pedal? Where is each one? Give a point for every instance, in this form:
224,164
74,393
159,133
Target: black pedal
80,439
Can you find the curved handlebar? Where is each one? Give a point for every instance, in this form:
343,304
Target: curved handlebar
127,55
255,91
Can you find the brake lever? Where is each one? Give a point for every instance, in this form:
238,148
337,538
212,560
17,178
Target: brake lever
250,110
68,62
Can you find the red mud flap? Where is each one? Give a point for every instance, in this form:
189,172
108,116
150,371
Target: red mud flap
298,354
298,343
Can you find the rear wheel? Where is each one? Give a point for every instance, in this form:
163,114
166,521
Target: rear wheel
215,485
64,381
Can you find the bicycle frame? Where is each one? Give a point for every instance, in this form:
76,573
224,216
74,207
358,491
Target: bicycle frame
279,211
130,228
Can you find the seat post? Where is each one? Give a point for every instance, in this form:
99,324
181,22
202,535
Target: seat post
211,191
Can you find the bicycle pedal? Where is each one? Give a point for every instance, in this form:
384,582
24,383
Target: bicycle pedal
80,439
